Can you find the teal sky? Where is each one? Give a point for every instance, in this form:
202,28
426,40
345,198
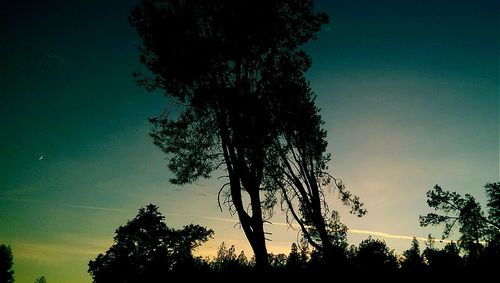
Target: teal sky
409,91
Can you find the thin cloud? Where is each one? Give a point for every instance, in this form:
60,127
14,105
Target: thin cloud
391,236
228,220
296,226
66,204
52,254
203,217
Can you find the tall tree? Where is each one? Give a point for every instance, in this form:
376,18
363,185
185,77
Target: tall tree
464,212
146,250
493,194
296,260
226,66
6,272
299,169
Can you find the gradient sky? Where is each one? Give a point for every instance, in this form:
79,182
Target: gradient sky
409,91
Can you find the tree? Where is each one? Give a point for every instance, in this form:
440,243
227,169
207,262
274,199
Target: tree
6,262
465,212
145,250
296,260
41,280
300,172
446,260
493,194
413,259
278,261
374,255
228,66
228,261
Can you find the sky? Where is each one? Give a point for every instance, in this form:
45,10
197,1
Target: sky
409,92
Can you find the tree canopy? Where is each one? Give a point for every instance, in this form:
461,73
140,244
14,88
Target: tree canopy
466,213
234,73
479,232
145,249
6,262
374,255
413,258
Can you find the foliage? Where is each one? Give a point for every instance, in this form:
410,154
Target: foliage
145,248
278,262
228,261
493,194
445,260
6,262
464,212
299,173
41,280
374,255
296,260
231,69
413,259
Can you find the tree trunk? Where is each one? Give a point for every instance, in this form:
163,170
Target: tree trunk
259,248
319,220
239,175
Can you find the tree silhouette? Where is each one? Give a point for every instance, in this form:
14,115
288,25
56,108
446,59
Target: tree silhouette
296,260
41,280
146,250
228,67
465,212
6,262
228,261
413,260
493,194
277,262
373,255
446,260
300,172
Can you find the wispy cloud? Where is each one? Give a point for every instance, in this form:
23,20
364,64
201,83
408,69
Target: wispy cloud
390,236
65,204
203,217
378,234
296,226
52,254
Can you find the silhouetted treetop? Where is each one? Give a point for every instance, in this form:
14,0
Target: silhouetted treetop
228,261
222,59
493,194
374,255
145,250
413,259
6,262
464,212
187,44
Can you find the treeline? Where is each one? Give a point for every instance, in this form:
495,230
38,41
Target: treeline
146,250
370,256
